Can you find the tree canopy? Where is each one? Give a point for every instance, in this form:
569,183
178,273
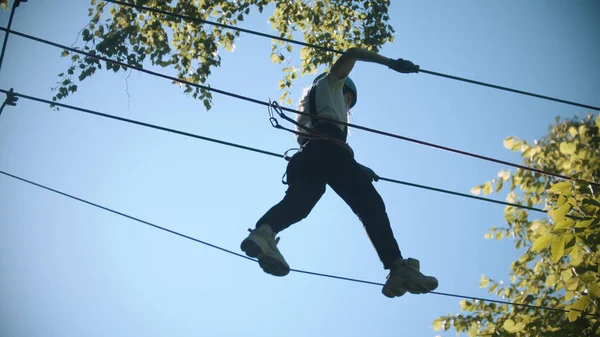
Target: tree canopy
560,265
143,38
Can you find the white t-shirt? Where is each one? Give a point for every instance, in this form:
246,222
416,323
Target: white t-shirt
330,103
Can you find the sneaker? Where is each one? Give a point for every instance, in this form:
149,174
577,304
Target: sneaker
405,276
262,244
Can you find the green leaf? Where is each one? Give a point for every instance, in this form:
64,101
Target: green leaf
573,131
64,53
484,281
542,242
508,142
584,223
517,146
594,290
476,190
499,185
274,58
560,188
558,248
565,223
577,308
567,148
588,277
559,214
509,215
509,325
487,188
505,175
550,280
438,323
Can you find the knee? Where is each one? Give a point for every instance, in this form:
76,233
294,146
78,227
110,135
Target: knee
301,207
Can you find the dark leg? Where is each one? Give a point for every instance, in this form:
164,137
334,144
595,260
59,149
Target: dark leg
306,187
350,182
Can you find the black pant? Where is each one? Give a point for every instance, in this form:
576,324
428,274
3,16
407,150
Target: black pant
322,162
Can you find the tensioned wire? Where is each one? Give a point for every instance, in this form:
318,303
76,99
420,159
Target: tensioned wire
253,100
279,38
253,149
293,270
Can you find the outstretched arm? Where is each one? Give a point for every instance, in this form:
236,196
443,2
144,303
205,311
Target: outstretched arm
342,67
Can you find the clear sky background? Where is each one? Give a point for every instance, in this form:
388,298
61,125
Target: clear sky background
69,269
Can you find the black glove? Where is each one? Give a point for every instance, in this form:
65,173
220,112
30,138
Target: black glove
403,66
370,173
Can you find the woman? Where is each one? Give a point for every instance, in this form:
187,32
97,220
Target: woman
327,160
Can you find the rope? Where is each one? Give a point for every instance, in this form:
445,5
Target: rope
279,38
256,101
248,148
294,270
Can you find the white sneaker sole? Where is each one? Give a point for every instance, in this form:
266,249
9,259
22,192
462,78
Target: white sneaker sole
268,263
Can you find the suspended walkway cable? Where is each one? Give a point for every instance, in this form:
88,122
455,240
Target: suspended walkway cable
279,38
260,102
11,95
300,271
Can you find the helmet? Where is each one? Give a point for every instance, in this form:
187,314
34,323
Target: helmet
348,85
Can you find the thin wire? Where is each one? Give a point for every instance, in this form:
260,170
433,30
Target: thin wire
510,90
10,19
256,101
252,32
248,258
187,134
273,154
464,195
125,215
4,104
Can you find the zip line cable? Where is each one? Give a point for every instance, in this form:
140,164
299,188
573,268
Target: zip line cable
253,32
248,148
253,100
294,270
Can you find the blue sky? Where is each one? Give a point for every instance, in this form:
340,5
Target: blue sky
69,269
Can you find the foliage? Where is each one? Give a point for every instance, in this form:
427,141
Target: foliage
4,4
134,36
560,266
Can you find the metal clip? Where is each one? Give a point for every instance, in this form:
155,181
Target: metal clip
11,99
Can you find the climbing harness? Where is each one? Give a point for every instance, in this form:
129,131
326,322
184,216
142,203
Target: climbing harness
309,134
